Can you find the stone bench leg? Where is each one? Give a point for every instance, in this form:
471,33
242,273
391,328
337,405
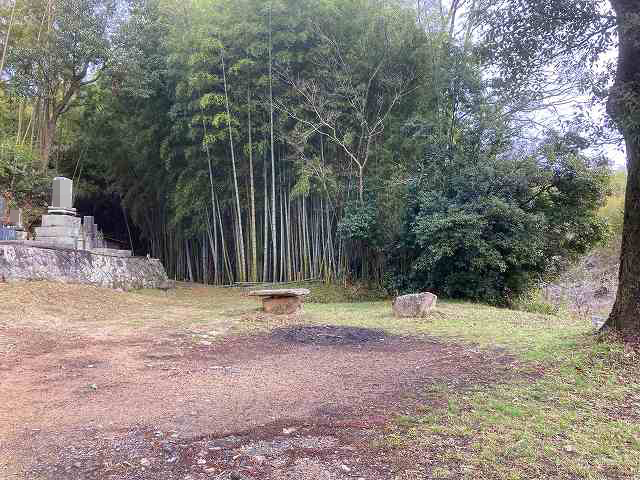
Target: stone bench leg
282,305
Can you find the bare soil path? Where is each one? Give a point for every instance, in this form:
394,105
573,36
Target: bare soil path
131,389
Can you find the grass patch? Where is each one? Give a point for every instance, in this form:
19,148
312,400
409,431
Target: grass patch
580,424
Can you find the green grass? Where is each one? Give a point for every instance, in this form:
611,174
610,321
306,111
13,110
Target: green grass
567,424
577,418
535,337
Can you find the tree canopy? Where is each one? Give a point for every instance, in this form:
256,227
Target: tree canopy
392,142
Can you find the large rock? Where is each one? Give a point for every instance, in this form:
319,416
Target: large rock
414,304
29,262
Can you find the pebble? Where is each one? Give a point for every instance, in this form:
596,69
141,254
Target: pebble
145,462
202,461
288,431
345,468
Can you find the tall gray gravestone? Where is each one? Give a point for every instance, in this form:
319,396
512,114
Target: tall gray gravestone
62,197
61,227
15,217
2,207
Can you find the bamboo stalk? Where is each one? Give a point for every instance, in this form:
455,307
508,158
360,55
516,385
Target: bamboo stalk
242,269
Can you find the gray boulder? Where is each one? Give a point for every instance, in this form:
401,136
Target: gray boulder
414,304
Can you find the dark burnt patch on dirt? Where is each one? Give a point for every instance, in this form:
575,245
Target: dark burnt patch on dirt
325,335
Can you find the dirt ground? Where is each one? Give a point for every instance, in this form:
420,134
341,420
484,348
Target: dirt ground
98,384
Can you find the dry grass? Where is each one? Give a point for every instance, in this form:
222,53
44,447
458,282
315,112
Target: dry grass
98,312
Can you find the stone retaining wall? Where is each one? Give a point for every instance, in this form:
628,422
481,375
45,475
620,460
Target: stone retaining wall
25,262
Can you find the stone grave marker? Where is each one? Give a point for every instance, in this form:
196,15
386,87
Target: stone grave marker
15,217
62,196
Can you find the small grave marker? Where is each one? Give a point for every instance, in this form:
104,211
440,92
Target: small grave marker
62,197
15,217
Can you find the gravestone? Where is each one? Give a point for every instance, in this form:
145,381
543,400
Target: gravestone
15,217
88,232
62,193
61,227
2,206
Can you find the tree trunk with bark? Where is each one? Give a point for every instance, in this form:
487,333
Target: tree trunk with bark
623,108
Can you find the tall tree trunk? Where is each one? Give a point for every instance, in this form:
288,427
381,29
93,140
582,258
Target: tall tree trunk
188,257
225,255
213,238
48,134
242,269
361,184
265,234
623,107
252,194
273,161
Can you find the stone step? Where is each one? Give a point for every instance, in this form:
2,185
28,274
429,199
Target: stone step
59,231
62,242
60,221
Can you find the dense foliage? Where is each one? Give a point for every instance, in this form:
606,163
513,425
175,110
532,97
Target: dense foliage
337,139
489,228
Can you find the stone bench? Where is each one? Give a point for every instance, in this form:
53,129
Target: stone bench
281,301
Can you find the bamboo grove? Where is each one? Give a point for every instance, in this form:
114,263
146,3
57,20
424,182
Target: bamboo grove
285,140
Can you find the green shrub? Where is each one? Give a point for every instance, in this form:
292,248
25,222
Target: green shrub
488,229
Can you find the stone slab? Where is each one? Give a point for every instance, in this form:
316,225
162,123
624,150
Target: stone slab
58,232
61,221
62,196
61,211
282,292
62,242
282,305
